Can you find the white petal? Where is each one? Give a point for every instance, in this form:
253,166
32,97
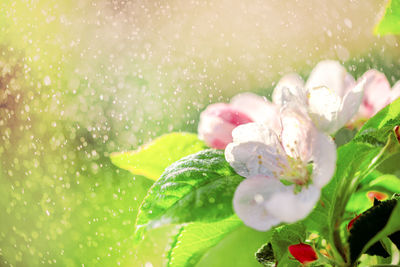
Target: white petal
289,207
251,159
297,131
330,74
323,107
289,88
324,159
249,202
256,132
350,105
258,108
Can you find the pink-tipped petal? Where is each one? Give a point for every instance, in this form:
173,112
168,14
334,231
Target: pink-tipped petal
217,122
350,104
258,108
376,93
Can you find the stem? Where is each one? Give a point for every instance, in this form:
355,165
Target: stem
348,186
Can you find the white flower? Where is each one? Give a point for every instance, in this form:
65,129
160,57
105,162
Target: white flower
285,170
331,95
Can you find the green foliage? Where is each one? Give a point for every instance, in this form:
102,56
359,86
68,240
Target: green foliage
390,23
265,255
151,160
197,188
282,238
195,239
372,226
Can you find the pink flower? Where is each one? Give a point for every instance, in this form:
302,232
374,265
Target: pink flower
303,253
218,120
378,93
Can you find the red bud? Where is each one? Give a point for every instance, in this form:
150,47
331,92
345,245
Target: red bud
303,253
350,225
378,195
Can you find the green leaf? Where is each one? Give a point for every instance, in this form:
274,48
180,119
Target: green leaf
151,160
359,201
265,255
197,188
373,225
195,239
285,236
373,144
390,23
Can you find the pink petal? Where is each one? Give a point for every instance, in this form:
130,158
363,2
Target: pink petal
259,109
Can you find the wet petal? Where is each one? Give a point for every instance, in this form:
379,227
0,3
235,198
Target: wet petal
297,131
289,88
217,122
376,93
331,74
288,207
249,202
324,159
251,159
323,107
258,108
350,105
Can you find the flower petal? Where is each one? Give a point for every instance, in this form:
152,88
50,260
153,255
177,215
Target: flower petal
323,107
376,93
350,105
324,159
251,159
297,131
288,207
249,202
289,88
331,74
258,108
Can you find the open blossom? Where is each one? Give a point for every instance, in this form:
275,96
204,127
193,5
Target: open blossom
331,95
377,93
285,170
218,120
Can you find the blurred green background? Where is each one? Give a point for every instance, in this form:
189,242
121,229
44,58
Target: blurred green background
82,79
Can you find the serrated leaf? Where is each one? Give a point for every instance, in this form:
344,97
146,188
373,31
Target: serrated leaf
195,239
197,188
265,255
151,159
373,144
282,238
373,225
390,23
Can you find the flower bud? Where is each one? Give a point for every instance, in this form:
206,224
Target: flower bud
378,195
217,123
350,225
303,253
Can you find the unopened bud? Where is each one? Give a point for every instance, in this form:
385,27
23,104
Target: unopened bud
397,132
303,253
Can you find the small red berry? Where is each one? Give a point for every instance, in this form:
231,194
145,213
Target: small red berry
303,253
378,195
